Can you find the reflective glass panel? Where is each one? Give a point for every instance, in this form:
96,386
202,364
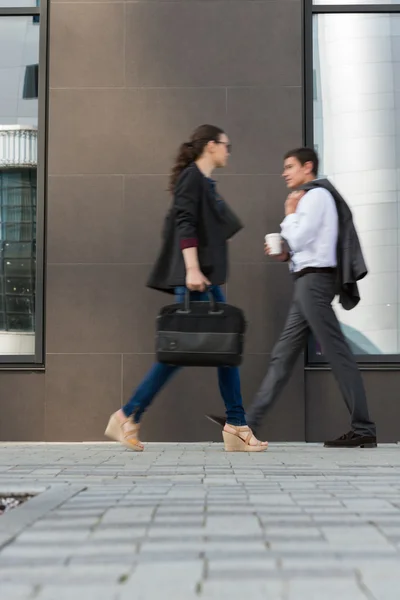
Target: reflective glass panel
357,134
19,72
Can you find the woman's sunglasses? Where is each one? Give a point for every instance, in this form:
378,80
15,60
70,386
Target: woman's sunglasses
228,146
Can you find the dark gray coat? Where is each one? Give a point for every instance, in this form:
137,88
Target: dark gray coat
350,259
194,215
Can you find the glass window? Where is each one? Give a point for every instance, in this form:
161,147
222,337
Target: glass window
357,131
359,2
19,59
19,3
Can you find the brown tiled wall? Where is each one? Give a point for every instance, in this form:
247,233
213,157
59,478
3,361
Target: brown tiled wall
129,81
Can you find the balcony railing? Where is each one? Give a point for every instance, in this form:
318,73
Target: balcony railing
18,146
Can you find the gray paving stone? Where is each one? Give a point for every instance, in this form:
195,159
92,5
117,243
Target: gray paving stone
78,514
103,549
293,520
291,533
88,592
234,590
11,591
111,559
367,534
181,532
56,575
209,547
324,563
232,525
284,525
92,573
383,590
38,552
271,499
381,580
164,581
32,575
300,546
66,524
345,588
128,515
172,520
390,530
241,565
38,536
117,536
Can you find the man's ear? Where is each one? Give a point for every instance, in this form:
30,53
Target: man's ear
310,166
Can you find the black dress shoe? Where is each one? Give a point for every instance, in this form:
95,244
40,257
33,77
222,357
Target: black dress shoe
218,420
353,440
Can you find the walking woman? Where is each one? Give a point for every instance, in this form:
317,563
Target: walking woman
194,256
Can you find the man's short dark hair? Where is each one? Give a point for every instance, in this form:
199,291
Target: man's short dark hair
304,155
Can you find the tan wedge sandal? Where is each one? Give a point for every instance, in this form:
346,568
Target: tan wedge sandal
235,442
125,432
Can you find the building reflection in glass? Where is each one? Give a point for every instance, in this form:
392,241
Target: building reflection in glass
357,134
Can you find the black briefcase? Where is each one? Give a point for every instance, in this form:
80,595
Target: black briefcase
200,334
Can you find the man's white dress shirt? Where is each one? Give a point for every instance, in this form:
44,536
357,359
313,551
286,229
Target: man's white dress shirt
312,231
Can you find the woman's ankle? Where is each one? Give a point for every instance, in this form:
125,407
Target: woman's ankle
121,415
238,429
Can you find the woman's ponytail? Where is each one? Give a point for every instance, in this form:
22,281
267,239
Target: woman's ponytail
190,151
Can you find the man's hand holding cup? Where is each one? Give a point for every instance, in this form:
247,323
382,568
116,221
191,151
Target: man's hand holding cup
274,247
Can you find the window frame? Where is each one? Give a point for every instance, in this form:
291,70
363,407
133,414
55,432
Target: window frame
368,362
35,362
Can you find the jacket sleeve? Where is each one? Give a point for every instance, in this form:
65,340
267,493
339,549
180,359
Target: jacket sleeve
359,267
186,203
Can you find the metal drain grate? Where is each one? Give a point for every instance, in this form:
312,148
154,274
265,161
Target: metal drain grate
12,501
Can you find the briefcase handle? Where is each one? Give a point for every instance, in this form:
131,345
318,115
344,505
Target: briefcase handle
213,306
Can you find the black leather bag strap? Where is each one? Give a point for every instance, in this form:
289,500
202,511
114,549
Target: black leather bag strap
186,303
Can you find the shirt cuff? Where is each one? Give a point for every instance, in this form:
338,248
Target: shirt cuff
288,220
189,243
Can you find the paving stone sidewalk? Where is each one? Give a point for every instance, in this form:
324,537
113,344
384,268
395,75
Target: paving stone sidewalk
188,521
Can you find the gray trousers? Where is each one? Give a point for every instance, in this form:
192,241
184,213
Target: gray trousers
311,310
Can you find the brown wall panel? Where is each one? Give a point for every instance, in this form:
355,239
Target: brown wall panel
128,83
22,407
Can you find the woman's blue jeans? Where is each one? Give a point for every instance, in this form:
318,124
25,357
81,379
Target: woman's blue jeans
160,374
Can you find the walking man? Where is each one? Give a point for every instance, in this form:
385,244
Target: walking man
325,259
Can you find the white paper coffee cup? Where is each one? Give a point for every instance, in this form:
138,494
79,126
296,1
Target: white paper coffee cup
274,241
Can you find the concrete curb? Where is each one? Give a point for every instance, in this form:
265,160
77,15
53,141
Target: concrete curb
16,520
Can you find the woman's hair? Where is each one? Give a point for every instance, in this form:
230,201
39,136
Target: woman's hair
192,150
